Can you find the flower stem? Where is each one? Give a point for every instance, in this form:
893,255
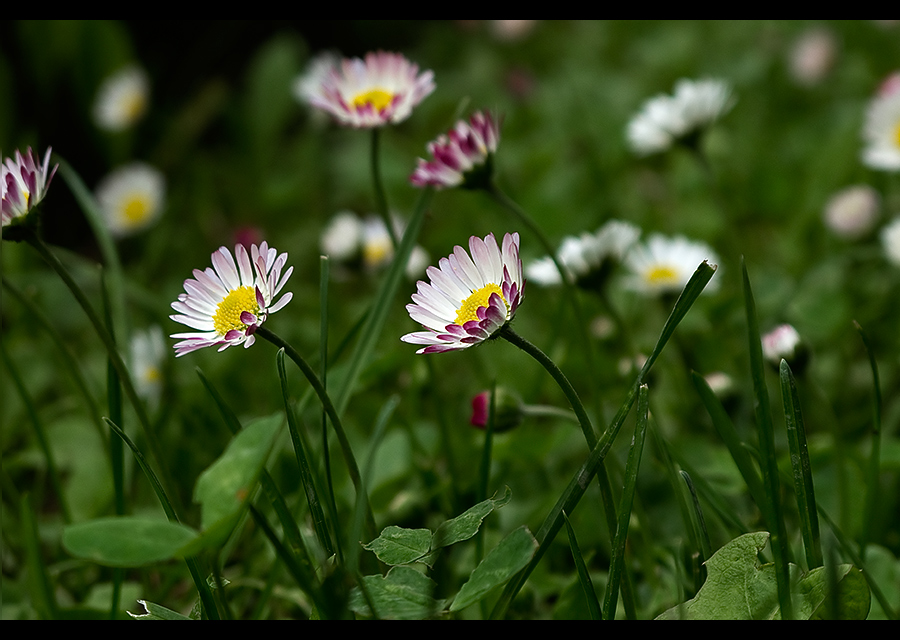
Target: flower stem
556,373
380,198
313,379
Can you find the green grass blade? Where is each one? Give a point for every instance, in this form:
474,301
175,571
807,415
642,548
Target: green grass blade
772,510
803,482
309,486
582,478
42,597
583,576
698,519
872,472
384,301
729,435
617,566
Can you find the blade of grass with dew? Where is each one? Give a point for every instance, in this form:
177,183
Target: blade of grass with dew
631,471
584,577
772,509
729,435
384,301
312,494
875,456
582,478
803,482
206,596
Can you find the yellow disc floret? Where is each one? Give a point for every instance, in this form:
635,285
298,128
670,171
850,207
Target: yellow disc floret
897,133
469,307
661,274
228,313
136,209
378,98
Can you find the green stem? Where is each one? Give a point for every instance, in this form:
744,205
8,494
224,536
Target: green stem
380,198
336,423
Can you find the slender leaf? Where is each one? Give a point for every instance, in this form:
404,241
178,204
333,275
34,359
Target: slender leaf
39,584
156,612
583,576
872,472
127,541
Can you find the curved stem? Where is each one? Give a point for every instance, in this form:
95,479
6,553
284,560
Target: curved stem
313,379
380,198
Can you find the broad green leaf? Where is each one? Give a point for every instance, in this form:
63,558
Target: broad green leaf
156,612
738,587
853,598
127,541
502,563
396,545
466,525
403,594
225,486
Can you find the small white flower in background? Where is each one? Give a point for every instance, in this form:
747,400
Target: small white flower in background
852,212
665,120
342,236
812,56
122,99
306,86
890,85
881,131
377,247
720,382
890,240
382,89
24,185
228,302
779,343
131,198
148,351
588,258
665,265
512,30
469,299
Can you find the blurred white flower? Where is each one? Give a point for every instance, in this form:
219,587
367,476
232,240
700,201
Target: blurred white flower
148,350
665,120
351,239
852,212
122,99
511,30
780,342
813,55
306,86
665,265
890,239
342,236
131,198
881,132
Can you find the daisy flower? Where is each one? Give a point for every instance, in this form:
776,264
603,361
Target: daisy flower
852,212
228,302
463,157
24,185
882,132
665,120
469,299
890,240
373,92
341,237
351,239
664,265
131,198
148,351
588,258
122,99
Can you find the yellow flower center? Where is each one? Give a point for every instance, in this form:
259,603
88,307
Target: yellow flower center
468,310
378,98
376,253
152,374
133,105
136,208
661,274
897,133
228,313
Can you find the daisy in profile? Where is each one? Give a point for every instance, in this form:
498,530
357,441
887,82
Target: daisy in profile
122,99
664,265
469,299
228,302
587,259
382,89
24,185
881,132
131,198
148,352
463,157
681,117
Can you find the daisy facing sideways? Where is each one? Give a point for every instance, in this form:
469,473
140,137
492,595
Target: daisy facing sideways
469,299
227,302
